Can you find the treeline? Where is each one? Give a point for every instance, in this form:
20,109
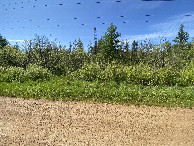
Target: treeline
108,59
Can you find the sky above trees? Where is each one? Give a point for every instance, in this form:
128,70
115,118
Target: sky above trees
68,20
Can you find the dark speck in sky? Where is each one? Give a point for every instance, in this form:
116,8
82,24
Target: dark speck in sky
145,12
188,15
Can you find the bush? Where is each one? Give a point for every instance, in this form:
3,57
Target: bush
187,75
32,72
88,72
145,75
2,69
35,72
93,71
166,76
113,72
11,57
140,74
12,74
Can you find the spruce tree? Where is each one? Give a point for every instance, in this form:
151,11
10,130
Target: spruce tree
180,49
3,42
110,43
134,58
182,37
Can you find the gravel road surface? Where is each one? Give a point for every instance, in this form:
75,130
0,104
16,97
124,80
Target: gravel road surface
43,122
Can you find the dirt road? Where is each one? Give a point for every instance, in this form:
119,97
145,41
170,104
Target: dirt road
43,122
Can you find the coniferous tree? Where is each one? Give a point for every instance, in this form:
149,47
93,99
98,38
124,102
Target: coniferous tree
180,49
110,43
78,55
3,42
182,37
134,56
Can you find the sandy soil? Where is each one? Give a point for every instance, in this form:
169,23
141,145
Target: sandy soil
43,122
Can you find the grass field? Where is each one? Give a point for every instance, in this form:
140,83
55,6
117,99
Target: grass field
62,88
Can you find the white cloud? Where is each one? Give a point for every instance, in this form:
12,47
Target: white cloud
172,24
167,29
130,38
16,40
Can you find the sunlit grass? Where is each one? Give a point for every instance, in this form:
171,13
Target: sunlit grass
63,88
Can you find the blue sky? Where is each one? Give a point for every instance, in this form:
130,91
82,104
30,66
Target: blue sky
68,20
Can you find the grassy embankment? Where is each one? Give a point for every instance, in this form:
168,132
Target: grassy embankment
128,86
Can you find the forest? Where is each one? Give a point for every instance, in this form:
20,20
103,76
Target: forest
109,70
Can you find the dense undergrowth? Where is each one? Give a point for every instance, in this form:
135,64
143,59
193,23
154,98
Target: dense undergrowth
126,85
61,88
161,75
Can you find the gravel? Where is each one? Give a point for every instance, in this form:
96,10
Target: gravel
45,122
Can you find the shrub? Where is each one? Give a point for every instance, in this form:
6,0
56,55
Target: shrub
93,71
35,72
187,75
12,74
113,72
145,75
11,57
166,76
88,72
141,74
2,69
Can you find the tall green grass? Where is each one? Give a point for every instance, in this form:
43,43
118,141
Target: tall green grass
61,88
114,83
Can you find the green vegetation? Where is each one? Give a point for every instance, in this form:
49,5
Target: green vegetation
111,71
61,88
3,42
